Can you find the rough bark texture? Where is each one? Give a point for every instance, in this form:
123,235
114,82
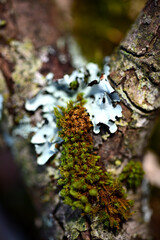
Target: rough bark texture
135,74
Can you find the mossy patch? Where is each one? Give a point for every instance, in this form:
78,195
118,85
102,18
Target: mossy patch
132,175
85,184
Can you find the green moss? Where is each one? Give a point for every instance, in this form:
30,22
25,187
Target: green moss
132,175
84,199
85,185
74,85
93,192
87,208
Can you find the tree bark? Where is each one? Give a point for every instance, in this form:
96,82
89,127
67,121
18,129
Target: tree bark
135,74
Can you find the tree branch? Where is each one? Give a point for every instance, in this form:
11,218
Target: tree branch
135,74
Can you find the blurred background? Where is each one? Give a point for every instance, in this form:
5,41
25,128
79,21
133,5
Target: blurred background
97,26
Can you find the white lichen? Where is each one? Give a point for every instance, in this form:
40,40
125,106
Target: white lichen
101,105
24,128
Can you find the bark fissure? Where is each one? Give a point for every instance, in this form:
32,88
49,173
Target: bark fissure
142,110
145,67
126,51
139,63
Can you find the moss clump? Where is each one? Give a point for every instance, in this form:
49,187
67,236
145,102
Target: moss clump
85,184
74,85
132,175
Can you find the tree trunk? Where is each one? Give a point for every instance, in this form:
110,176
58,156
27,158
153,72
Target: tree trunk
135,74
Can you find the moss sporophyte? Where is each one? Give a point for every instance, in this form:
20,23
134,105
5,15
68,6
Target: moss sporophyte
85,185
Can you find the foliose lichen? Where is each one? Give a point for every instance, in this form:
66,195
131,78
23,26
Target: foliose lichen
132,175
101,105
85,184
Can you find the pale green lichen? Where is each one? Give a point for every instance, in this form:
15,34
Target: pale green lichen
75,226
27,64
123,95
122,123
138,121
23,55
